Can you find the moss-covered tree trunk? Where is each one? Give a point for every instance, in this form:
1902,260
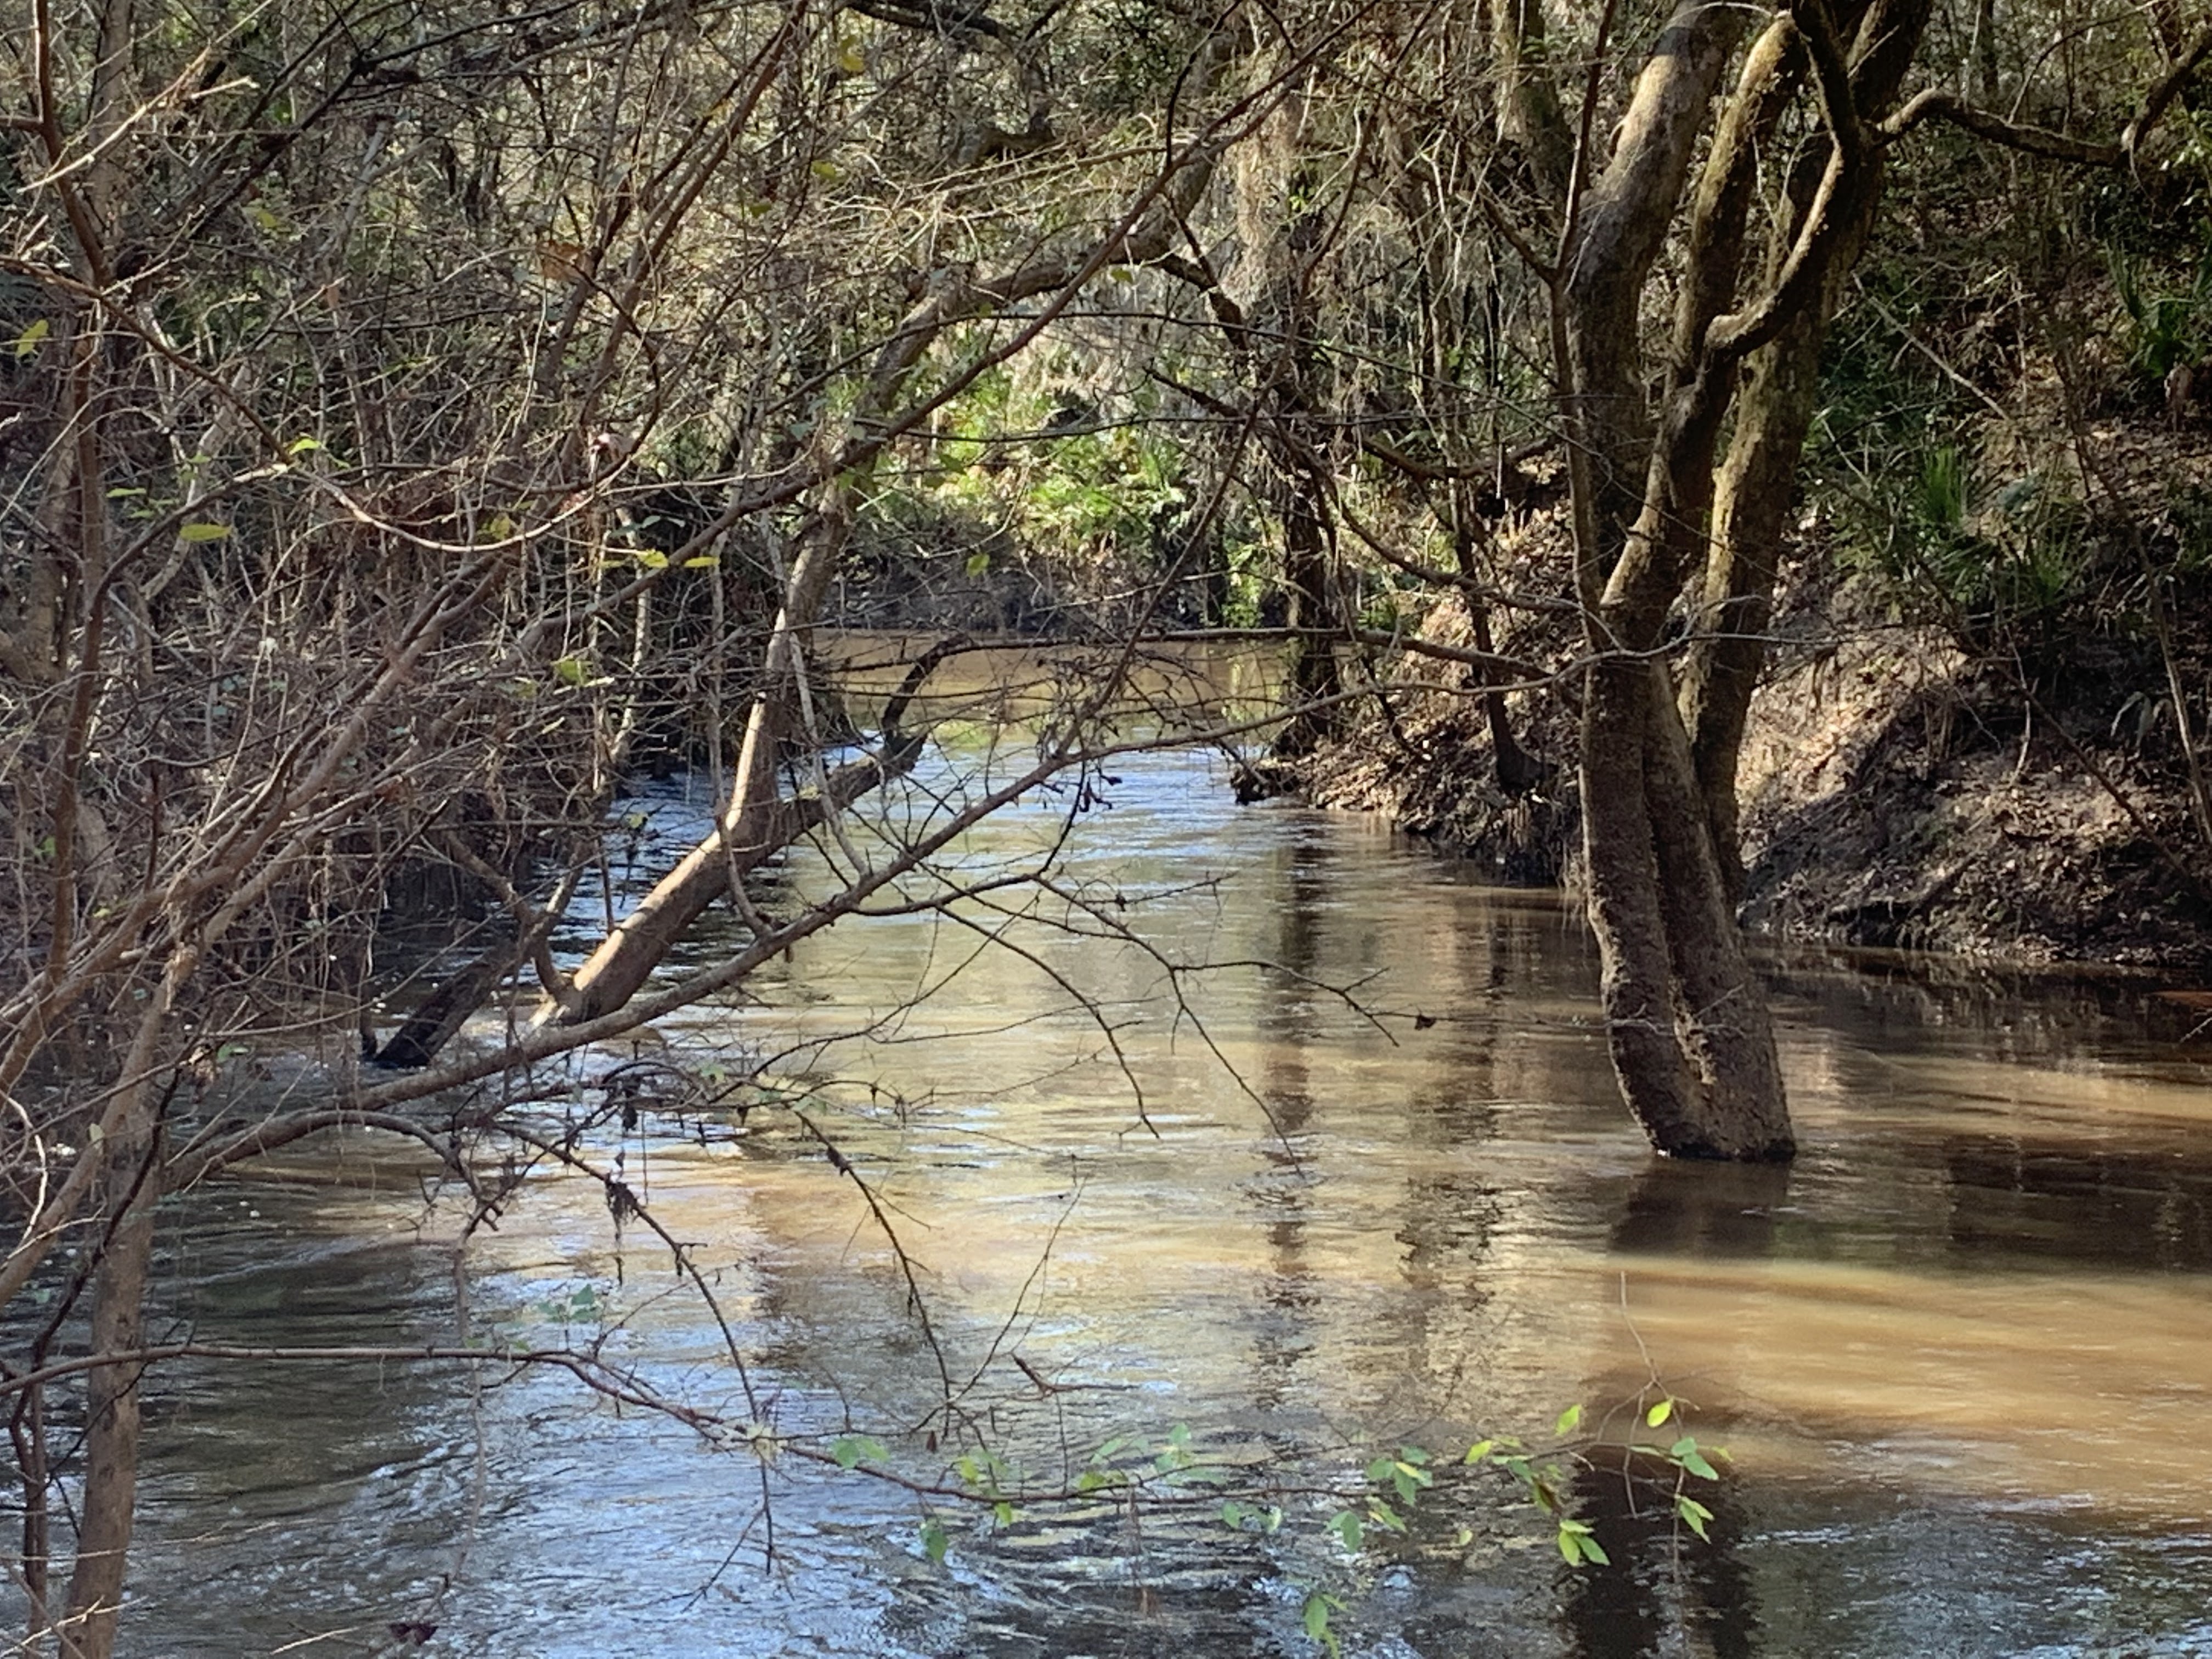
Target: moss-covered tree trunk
1757,486
1685,1016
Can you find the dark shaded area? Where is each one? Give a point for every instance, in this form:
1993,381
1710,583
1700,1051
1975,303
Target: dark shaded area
2025,1201
1666,1589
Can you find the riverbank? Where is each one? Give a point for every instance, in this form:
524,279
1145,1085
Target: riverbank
1896,790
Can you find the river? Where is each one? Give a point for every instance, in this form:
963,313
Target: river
1358,1181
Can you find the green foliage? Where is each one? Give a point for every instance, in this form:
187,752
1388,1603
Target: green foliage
1392,1489
851,1450
1694,1514
1082,479
1316,1614
2163,328
1685,1456
1577,1547
586,1304
934,1541
2188,515
1993,560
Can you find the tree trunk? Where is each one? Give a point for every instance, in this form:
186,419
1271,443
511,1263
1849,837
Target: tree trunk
1686,1018
1312,618
1623,223
1685,1022
129,1151
1736,600
750,828
107,1504
1757,481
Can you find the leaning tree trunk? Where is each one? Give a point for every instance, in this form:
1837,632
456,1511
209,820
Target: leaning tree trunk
757,820
756,823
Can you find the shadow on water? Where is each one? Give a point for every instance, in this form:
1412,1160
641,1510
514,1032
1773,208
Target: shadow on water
2020,1200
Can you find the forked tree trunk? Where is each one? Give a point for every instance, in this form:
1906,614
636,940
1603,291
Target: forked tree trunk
1687,1019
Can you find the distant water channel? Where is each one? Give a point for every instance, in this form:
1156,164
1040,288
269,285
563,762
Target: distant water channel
1961,1353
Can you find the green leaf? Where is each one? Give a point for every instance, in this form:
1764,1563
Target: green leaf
851,60
204,533
33,336
1383,1515
1090,1481
1232,1516
303,445
1693,1513
1380,1468
1410,1480
1315,1616
651,557
1659,1413
1685,1452
1479,1450
1348,1529
1576,1545
934,1542
977,564
704,561
1569,1419
1003,1513
852,1450
571,671
827,172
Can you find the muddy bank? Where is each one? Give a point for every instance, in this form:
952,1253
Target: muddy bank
1897,791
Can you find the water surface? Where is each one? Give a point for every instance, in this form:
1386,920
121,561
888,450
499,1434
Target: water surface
1331,1162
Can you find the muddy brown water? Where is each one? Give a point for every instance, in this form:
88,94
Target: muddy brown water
1960,1353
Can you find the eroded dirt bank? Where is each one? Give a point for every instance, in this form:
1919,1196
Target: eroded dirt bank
1896,790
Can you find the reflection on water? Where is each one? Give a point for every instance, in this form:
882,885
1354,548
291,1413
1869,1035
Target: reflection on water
1961,1350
